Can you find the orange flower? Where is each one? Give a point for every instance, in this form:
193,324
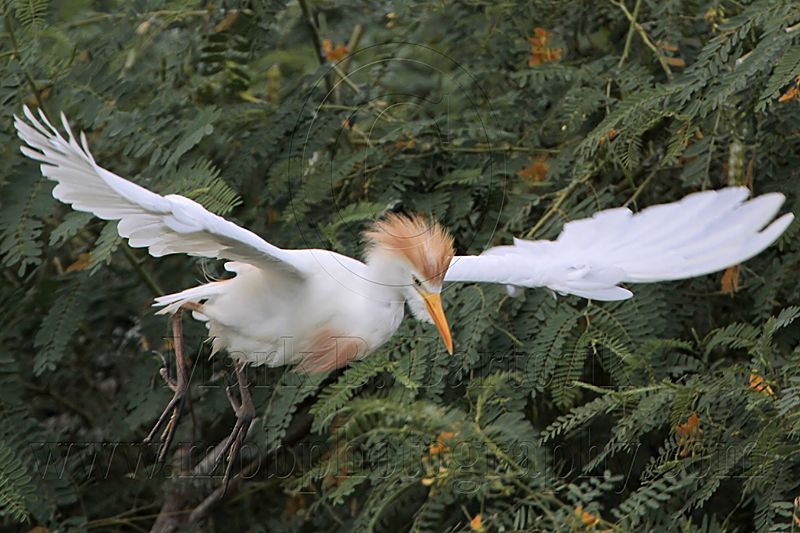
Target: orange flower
730,280
675,61
228,21
536,171
438,455
759,384
540,37
671,60
439,446
792,93
540,52
610,136
689,434
406,143
332,53
587,518
83,262
475,524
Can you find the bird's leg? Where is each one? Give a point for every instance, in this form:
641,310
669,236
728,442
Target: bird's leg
245,413
172,412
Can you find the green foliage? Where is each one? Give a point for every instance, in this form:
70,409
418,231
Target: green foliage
22,225
676,410
61,321
30,13
16,486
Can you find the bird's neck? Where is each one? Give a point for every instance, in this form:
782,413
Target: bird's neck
388,271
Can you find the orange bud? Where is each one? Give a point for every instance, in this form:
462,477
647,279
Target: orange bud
333,53
791,94
536,171
759,384
730,280
475,523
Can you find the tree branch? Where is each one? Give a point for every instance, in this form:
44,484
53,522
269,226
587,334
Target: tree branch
299,428
312,28
645,38
174,512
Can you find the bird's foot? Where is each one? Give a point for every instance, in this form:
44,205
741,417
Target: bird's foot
168,421
169,418
245,413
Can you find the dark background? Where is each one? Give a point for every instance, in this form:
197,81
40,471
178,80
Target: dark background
675,410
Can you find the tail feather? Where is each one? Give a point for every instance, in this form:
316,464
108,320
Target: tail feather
172,302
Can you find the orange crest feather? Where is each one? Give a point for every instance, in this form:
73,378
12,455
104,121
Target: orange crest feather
427,246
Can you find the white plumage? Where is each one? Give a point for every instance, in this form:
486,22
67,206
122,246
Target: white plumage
162,224
274,309
702,233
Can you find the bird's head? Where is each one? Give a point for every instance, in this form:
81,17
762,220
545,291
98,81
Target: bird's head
418,253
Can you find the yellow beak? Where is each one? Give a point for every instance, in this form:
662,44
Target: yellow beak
433,302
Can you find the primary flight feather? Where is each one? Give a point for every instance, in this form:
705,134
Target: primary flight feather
702,233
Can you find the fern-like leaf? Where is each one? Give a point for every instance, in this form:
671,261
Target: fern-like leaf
59,324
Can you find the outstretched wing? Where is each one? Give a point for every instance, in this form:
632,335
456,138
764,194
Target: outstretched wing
163,224
702,233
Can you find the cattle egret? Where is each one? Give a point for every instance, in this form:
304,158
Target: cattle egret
319,310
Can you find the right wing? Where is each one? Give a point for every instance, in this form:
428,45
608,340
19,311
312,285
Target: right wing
163,224
700,234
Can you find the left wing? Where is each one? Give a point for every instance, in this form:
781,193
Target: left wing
702,233
163,224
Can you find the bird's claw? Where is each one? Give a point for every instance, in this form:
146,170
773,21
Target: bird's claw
169,421
245,413
171,383
234,443
172,412
233,400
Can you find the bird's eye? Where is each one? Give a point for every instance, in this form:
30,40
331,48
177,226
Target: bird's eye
417,282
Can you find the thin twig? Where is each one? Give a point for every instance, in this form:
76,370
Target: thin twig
629,37
344,77
642,186
712,145
344,65
100,17
645,38
312,28
355,37
173,511
556,205
315,38
28,77
143,274
625,51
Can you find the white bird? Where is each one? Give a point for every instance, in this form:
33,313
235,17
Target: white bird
319,310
